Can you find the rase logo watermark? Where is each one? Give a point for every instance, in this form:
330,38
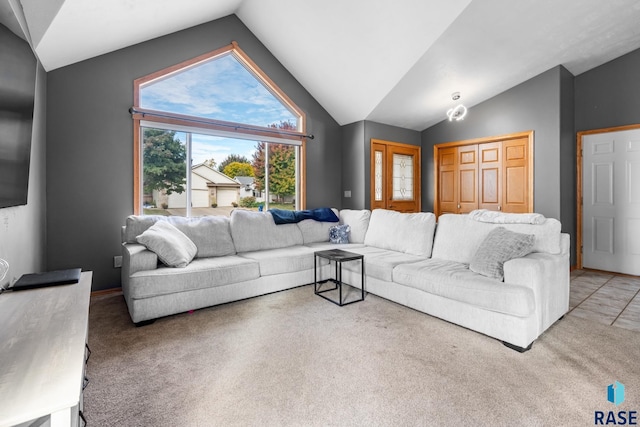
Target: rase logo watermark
615,395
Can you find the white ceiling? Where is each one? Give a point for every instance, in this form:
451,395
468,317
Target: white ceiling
395,62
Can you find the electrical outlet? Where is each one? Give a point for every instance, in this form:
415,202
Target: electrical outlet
117,261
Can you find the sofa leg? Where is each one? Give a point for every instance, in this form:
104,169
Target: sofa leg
516,348
144,323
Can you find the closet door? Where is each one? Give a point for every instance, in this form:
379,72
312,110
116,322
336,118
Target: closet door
490,169
515,170
467,178
494,173
448,182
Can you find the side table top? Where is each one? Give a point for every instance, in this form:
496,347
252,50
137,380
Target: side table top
42,349
338,255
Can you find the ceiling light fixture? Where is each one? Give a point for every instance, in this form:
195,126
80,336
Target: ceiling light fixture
459,111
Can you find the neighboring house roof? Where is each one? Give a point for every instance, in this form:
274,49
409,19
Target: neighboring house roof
212,177
245,180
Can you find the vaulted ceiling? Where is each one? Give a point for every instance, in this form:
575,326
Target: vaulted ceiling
394,62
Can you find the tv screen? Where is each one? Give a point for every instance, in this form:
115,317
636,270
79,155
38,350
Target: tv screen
17,93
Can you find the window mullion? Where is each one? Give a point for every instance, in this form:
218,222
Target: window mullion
266,176
188,166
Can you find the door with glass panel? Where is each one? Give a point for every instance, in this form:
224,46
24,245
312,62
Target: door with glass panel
395,176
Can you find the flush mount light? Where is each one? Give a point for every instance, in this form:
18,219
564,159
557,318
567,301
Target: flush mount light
458,112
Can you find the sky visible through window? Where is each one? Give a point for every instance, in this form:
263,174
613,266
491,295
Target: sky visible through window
221,89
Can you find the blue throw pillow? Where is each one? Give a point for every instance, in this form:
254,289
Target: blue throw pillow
339,233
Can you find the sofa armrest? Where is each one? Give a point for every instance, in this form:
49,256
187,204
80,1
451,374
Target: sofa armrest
136,257
548,276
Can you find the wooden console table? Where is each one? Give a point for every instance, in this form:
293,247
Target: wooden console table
43,335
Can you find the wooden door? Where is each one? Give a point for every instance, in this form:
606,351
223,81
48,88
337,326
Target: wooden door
490,171
467,178
515,172
448,172
395,176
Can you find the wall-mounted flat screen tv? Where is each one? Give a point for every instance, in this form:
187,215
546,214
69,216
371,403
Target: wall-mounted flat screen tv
17,93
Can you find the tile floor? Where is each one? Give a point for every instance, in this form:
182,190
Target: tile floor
608,298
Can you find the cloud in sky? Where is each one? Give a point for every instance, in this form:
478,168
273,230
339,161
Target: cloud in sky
219,89
205,147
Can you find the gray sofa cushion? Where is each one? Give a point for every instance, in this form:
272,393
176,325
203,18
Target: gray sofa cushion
458,237
411,233
379,263
171,245
315,231
455,281
358,221
282,260
498,247
257,231
201,273
210,234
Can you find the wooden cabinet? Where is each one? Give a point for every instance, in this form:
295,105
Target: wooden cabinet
491,173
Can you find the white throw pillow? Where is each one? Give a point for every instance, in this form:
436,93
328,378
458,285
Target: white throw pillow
498,247
171,245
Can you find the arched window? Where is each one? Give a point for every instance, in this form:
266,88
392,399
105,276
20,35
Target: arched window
214,133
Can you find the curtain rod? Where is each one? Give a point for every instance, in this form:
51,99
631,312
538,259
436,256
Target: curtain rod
133,111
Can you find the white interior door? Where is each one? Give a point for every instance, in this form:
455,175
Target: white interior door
611,201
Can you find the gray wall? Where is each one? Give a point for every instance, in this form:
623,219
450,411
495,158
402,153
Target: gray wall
90,142
541,104
22,228
609,95
353,164
356,148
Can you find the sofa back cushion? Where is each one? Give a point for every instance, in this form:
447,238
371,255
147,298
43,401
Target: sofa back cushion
458,237
411,233
210,234
358,222
316,231
256,231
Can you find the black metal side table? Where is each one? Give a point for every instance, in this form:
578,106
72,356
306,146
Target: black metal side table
337,256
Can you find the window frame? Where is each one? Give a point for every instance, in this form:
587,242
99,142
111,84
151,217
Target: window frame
146,117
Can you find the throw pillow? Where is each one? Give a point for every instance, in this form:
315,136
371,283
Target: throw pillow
171,245
498,247
339,233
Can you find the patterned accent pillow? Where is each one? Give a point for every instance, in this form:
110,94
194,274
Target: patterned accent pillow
498,247
172,246
339,233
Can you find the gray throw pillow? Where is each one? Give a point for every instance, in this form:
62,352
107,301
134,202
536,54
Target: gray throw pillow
339,233
498,247
171,245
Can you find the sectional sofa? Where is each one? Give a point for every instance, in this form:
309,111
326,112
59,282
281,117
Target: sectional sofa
441,271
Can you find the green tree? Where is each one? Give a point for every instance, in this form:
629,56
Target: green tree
230,159
282,170
282,166
234,169
164,160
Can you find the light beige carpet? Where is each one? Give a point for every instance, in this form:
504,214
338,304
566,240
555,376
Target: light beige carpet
292,358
